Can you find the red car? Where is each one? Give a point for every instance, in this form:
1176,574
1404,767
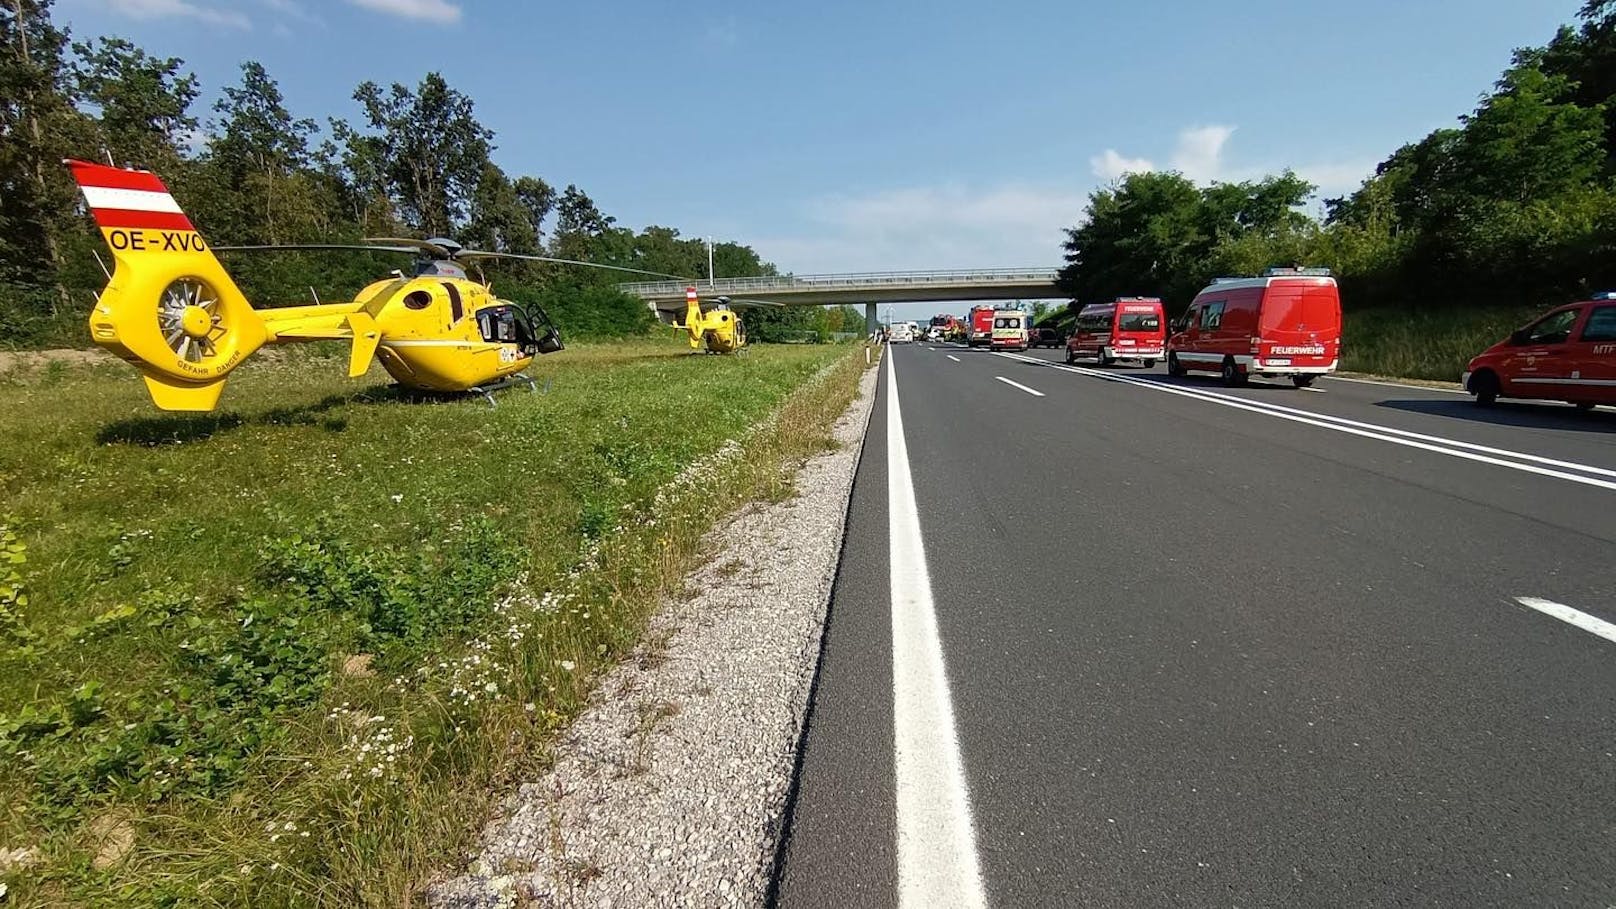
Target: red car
1285,323
1568,355
1131,328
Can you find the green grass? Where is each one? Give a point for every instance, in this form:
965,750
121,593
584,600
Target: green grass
1424,344
223,621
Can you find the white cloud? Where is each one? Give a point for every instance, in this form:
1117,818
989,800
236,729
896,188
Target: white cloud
1199,154
1339,178
183,9
930,227
1112,166
424,10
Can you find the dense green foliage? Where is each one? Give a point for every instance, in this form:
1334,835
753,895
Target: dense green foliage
416,161
1514,207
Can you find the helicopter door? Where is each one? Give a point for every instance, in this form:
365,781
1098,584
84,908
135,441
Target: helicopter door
538,330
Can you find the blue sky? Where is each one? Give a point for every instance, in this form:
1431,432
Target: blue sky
845,136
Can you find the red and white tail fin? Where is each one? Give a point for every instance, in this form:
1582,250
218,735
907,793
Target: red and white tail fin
128,199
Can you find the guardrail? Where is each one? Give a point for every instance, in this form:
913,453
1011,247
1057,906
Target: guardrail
850,280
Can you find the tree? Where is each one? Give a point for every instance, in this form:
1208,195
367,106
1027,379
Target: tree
1521,144
38,127
259,155
142,103
1142,235
500,221
426,146
538,198
1267,207
579,225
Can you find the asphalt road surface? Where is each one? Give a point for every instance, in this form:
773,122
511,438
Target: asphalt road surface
1101,637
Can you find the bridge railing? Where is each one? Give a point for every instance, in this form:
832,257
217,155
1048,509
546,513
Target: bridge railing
849,280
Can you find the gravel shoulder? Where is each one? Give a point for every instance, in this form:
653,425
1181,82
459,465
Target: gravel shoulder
670,788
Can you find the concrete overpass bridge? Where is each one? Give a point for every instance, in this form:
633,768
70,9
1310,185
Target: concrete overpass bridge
869,288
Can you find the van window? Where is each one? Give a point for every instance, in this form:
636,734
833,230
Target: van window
1554,328
1299,309
1007,322
1212,315
1139,321
1601,324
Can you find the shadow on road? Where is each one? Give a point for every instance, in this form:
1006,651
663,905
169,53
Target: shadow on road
1512,413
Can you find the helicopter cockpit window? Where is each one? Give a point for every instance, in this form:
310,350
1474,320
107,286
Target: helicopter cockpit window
417,299
501,324
456,309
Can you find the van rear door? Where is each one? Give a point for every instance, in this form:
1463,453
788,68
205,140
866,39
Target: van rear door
1139,330
1301,322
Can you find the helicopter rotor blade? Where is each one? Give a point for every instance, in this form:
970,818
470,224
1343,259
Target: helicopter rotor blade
316,247
420,247
744,302
483,254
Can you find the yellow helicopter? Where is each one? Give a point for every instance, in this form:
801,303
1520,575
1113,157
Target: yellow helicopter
171,310
718,329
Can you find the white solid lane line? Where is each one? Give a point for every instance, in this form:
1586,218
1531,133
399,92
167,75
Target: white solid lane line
1032,391
1451,447
1439,440
1357,381
1571,616
937,862
952,357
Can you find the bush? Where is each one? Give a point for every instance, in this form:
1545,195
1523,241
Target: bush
587,312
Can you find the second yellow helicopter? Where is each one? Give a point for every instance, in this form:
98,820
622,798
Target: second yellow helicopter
719,328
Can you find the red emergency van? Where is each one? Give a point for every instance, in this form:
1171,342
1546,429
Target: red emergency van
981,326
1567,355
1285,323
1129,328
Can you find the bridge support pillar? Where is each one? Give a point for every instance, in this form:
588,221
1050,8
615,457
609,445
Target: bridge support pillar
870,321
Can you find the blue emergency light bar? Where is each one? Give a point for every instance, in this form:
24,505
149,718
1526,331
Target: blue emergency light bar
1605,295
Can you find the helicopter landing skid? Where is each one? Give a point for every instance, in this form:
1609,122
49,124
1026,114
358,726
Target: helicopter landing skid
487,391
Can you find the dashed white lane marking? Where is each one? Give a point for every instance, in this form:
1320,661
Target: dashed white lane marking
952,357
937,861
1571,616
1453,448
1032,391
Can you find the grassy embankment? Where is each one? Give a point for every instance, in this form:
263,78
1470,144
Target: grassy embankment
283,655
1424,344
